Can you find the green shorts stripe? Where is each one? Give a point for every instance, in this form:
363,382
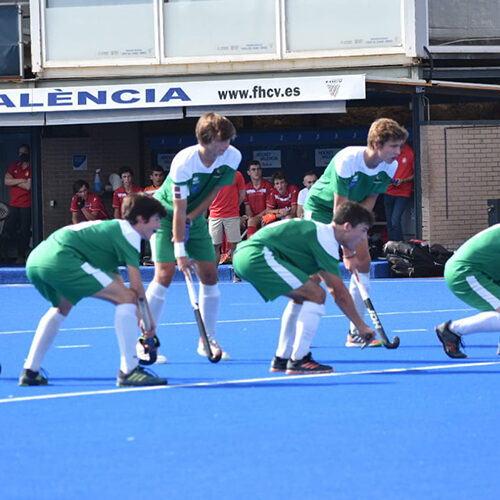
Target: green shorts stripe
270,275
472,286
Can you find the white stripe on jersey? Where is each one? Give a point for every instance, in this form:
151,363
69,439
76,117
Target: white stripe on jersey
482,292
99,275
281,271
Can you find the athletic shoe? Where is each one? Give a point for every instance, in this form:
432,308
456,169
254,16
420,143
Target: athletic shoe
215,349
451,341
356,340
138,377
29,377
278,364
306,365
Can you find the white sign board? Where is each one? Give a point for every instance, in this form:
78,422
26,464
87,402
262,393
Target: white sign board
322,157
270,158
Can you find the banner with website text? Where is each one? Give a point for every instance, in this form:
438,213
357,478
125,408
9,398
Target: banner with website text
179,94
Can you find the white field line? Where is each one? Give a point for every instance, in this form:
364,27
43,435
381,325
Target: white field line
246,381
244,320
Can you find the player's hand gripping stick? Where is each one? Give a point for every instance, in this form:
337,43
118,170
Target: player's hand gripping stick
213,358
147,347
373,314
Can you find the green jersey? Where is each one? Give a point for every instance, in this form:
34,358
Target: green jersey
104,244
481,252
308,245
190,179
348,175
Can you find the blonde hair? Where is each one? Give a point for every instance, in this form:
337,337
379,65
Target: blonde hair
212,126
384,130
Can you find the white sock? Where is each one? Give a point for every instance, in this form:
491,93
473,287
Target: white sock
155,294
45,334
209,306
483,322
307,325
356,296
126,332
288,328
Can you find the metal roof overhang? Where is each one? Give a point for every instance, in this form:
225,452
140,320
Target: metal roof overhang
411,86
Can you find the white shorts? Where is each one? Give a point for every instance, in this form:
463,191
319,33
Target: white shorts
228,225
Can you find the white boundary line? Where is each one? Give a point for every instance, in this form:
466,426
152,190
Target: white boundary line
244,320
245,381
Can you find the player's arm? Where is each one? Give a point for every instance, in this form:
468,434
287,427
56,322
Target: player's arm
136,285
369,202
90,215
205,203
179,234
292,213
343,299
74,218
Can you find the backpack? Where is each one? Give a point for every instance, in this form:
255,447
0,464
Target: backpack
414,259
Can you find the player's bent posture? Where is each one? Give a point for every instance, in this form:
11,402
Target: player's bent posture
82,261
280,259
359,174
196,175
473,275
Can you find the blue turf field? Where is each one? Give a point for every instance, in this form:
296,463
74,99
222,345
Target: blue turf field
387,424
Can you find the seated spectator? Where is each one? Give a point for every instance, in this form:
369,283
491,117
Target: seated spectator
257,191
224,218
282,201
308,180
157,177
88,204
128,186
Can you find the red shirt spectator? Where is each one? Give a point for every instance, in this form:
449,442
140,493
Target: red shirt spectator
226,203
405,171
127,177
93,204
20,197
256,197
285,198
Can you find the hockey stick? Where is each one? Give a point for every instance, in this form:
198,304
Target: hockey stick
213,358
147,347
373,314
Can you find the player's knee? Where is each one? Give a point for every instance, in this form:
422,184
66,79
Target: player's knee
164,273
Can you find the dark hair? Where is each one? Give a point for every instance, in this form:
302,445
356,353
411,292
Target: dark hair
254,162
125,170
136,204
212,126
157,168
77,185
309,172
279,174
354,213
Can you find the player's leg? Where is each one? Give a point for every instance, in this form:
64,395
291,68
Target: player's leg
364,263
273,277
162,253
232,230
253,223
479,291
46,332
310,314
126,324
216,230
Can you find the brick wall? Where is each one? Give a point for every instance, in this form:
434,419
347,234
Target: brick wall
460,171
107,146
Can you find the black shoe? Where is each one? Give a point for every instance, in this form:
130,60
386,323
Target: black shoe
306,365
451,341
278,364
139,377
29,377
